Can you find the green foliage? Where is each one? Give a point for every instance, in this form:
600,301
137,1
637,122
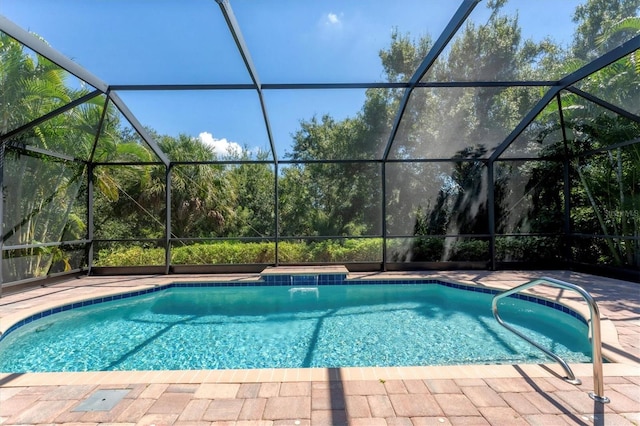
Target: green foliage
234,252
439,249
225,252
596,20
529,249
425,249
293,252
469,250
330,199
404,56
30,85
254,188
347,250
130,256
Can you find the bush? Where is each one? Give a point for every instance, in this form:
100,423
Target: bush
436,249
347,250
235,252
470,250
226,252
130,256
427,249
528,249
293,252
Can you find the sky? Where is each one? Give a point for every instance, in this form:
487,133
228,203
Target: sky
290,41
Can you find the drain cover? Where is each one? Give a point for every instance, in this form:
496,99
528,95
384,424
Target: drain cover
102,400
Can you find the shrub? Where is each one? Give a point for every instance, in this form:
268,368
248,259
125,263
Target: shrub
427,249
225,252
470,250
528,248
347,250
235,252
130,256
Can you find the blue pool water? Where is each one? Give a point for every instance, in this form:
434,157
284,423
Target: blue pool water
284,326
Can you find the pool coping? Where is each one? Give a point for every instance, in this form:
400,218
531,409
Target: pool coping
382,374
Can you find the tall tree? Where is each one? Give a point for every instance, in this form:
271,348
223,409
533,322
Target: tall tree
202,196
338,197
40,191
593,19
254,186
604,178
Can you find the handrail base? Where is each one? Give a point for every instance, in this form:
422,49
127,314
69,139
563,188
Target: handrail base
572,381
600,399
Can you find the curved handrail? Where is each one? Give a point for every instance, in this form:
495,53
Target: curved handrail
594,325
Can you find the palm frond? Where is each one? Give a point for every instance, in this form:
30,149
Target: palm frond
107,186
631,24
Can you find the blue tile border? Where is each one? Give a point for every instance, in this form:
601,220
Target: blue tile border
304,279
288,280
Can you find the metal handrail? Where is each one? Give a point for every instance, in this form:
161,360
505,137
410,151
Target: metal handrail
594,325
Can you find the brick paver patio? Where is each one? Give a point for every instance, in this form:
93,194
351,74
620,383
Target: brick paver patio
457,395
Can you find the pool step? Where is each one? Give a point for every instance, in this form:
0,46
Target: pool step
304,276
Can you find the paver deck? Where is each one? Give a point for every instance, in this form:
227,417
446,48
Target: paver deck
407,396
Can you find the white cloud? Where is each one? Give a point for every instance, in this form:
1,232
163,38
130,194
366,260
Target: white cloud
333,19
331,25
219,146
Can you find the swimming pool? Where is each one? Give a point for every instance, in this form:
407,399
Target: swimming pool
282,326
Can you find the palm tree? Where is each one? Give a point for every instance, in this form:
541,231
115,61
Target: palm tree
30,85
201,195
43,193
37,189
